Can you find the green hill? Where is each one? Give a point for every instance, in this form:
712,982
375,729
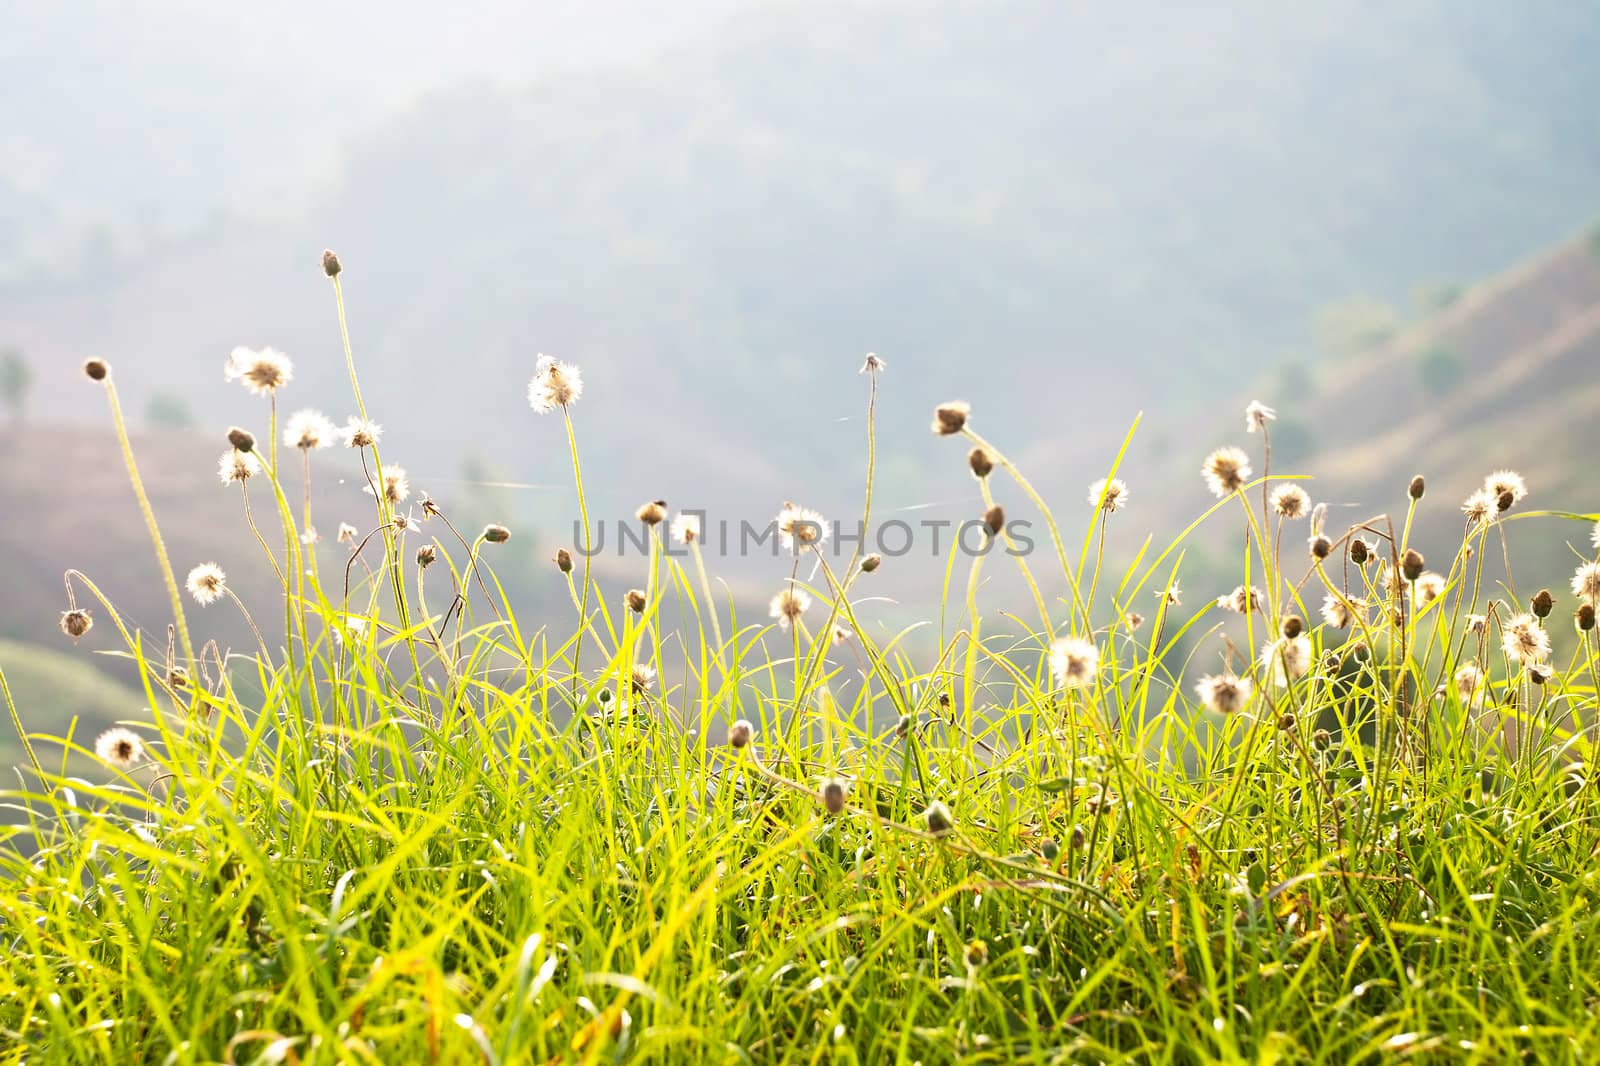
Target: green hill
58,693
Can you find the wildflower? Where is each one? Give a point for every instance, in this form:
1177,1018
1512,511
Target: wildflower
241,439
1133,620
1320,546
555,384
1418,486
1480,507
1585,617
1429,587
1109,494
76,622
833,795
310,536
1257,415
1476,624
178,677
1226,470
1503,483
309,429
564,560
1524,640
951,418
496,534
1241,600
1293,626
1341,613
120,747
1540,674
263,372
1172,596
1469,684
1411,564
96,369
976,955
1322,740
1361,551
1074,662
840,634
938,819
741,733
788,605
396,485
359,433
873,364
347,533
426,556
800,527
237,466
643,678
1586,583
1542,604
980,461
636,601
994,520
685,528
1290,501
871,563
1286,659
330,264
206,583
1224,693
652,513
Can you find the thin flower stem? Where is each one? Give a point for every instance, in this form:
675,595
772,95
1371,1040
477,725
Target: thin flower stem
588,555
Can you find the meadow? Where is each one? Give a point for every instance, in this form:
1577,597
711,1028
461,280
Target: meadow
1339,812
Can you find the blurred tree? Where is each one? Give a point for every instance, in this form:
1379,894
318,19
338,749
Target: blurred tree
1352,326
168,410
15,380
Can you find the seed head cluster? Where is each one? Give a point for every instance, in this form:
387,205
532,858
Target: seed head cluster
1224,693
555,385
1108,494
263,372
207,584
1226,470
119,747
1074,662
788,605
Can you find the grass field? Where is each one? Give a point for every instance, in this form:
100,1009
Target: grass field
1358,826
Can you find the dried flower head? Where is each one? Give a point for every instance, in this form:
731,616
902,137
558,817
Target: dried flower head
1477,623
976,955
1341,613
1133,620
76,622
1226,470
207,583
653,513
643,678
938,819
741,733
555,385
1540,674
872,364
1584,618
1293,626
1542,603
1322,740
1411,564
1503,483
1320,546
788,605
1361,551
309,429
396,485
330,263
801,527
1480,507
237,466
96,369
1171,596
359,433
685,528
1108,494
1469,684
263,372
635,600
1586,583
1241,600
833,796
994,520
178,677
1418,486
951,418
1291,501
564,560
980,462
426,555
1257,415
119,747
347,533
495,533
1286,659
1429,587
1074,662
1224,693
1524,640
871,562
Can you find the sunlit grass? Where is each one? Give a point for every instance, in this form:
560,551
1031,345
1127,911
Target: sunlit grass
443,836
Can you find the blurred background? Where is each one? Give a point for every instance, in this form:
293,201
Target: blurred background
1374,216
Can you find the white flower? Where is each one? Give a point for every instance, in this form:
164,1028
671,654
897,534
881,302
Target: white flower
1109,494
263,372
1257,415
309,429
1286,659
555,385
801,526
1074,662
1586,584
120,747
207,583
685,527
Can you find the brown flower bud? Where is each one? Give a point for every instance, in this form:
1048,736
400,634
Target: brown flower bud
426,555
871,563
1322,739
75,623
496,534
1411,564
96,369
564,560
241,439
1293,626
950,418
1358,551
1543,603
1286,722
330,264
994,520
1418,487
741,734
635,600
833,795
1504,501
979,461
652,513
1585,617
1320,547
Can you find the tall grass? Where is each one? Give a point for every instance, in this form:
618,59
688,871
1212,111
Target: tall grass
442,837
